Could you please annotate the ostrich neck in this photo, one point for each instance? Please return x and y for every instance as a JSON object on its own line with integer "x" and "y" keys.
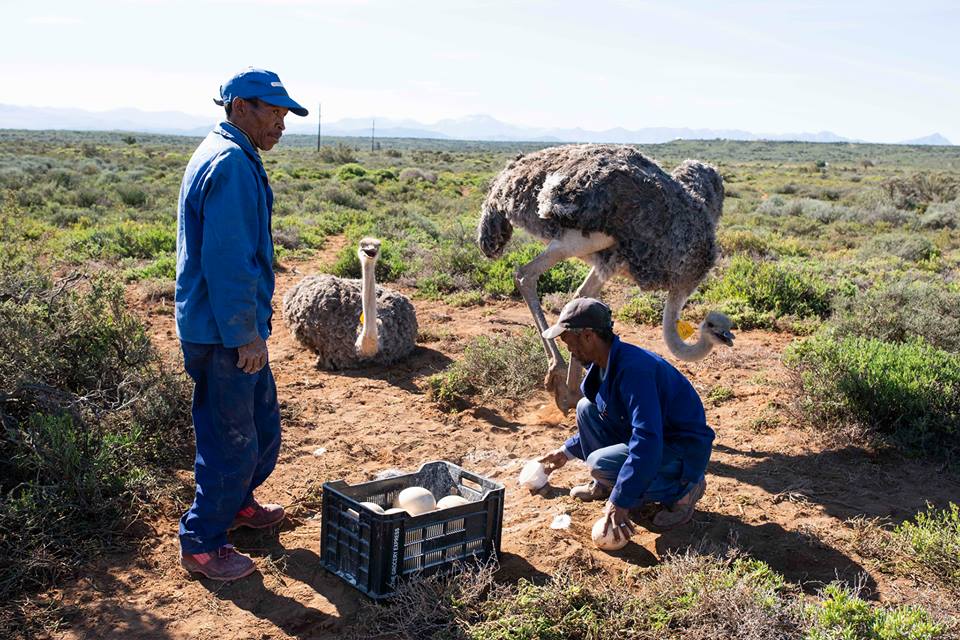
{"x": 368, "y": 294}
{"x": 676, "y": 344}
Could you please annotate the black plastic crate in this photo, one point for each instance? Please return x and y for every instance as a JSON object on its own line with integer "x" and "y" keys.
{"x": 373, "y": 551}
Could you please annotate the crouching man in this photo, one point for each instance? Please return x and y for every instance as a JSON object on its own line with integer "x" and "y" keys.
{"x": 641, "y": 426}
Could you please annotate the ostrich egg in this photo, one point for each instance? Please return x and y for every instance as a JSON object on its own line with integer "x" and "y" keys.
{"x": 416, "y": 500}
{"x": 373, "y": 506}
{"x": 451, "y": 501}
{"x": 394, "y": 510}
{"x": 607, "y": 542}
{"x": 533, "y": 476}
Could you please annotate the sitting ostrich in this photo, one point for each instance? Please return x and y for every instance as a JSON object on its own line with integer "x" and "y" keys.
{"x": 620, "y": 212}
{"x": 324, "y": 313}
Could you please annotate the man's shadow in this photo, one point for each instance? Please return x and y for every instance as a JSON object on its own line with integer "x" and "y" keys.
{"x": 801, "y": 559}
{"x": 291, "y": 616}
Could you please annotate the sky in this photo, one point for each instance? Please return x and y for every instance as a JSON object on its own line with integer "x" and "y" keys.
{"x": 872, "y": 70}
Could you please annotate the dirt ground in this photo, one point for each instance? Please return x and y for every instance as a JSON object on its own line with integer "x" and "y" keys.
{"x": 772, "y": 489}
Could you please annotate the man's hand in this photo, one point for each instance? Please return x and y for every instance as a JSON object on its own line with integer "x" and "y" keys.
{"x": 253, "y": 355}
{"x": 619, "y": 519}
{"x": 553, "y": 460}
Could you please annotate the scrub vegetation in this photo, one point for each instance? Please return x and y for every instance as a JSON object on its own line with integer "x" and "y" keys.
{"x": 852, "y": 250}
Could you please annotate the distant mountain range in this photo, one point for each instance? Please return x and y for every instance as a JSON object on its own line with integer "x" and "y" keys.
{"x": 474, "y": 127}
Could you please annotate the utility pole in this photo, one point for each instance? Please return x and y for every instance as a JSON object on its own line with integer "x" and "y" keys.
{"x": 373, "y": 133}
{"x": 319, "y": 129}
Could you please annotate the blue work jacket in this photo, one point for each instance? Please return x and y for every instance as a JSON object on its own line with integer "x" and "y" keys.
{"x": 224, "y": 243}
{"x": 650, "y": 406}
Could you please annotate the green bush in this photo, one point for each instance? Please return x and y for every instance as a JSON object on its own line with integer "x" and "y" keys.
{"x": 350, "y": 170}
{"x": 642, "y": 307}
{"x": 492, "y": 367}
{"x": 125, "y": 239}
{"x": 920, "y": 189}
{"x": 906, "y": 246}
{"x": 841, "y": 614}
{"x": 757, "y": 292}
{"x": 89, "y": 412}
{"x": 905, "y": 394}
{"x": 933, "y": 541}
{"x": 900, "y": 311}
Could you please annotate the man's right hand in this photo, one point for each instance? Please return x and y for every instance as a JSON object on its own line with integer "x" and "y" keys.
{"x": 553, "y": 460}
{"x": 253, "y": 355}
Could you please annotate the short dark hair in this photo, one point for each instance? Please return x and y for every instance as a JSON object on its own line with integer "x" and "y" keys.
{"x": 228, "y": 106}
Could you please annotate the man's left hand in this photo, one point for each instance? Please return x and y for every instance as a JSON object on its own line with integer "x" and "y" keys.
{"x": 619, "y": 519}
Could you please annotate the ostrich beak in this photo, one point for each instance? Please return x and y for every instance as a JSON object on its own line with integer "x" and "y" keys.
{"x": 371, "y": 252}
{"x": 726, "y": 337}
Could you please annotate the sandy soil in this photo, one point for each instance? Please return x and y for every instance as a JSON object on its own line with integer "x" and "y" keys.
{"x": 771, "y": 487}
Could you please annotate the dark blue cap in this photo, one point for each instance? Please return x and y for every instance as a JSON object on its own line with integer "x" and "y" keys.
{"x": 261, "y": 84}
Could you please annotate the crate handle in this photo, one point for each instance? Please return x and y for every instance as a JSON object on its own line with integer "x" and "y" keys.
{"x": 471, "y": 483}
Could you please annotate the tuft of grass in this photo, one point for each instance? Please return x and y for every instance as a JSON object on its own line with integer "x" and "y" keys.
{"x": 719, "y": 394}
{"x": 642, "y": 307}
{"x": 907, "y": 395}
{"x": 492, "y": 367}
{"x": 688, "y": 595}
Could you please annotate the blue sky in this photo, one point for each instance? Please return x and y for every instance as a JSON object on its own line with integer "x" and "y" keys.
{"x": 882, "y": 71}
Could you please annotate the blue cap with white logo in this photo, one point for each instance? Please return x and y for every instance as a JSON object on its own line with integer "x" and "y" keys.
{"x": 261, "y": 84}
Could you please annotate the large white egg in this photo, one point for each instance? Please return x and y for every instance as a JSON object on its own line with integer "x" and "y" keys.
{"x": 451, "y": 501}
{"x": 607, "y": 542}
{"x": 416, "y": 500}
{"x": 394, "y": 510}
{"x": 533, "y": 476}
{"x": 373, "y": 506}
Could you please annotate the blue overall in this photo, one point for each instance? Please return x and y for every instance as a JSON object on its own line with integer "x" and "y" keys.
{"x": 641, "y": 429}
{"x": 223, "y": 301}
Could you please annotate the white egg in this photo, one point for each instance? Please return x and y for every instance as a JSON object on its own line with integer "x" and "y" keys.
{"x": 373, "y": 506}
{"x": 607, "y": 542}
{"x": 451, "y": 501}
{"x": 394, "y": 510}
{"x": 533, "y": 476}
{"x": 415, "y": 500}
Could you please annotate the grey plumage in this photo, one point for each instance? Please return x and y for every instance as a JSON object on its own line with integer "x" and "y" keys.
{"x": 323, "y": 312}
{"x": 664, "y": 224}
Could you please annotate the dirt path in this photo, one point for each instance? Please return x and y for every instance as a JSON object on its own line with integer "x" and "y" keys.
{"x": 771, "y": 488}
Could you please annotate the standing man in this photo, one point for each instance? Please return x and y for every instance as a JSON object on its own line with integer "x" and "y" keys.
{"x": 641, "y": 425}
{"x": 224, "y": 287}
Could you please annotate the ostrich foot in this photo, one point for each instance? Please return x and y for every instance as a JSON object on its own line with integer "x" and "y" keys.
{"x": 556, "y": 383}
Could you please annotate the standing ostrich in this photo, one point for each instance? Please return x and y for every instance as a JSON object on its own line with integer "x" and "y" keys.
{"x": 618, "y": 211}
{"x": 324, "y": 313}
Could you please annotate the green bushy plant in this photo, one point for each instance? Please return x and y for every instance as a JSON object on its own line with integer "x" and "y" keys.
{"x": 505, "y": 367}
{"x": 906, "y": 246}
{"x": 901, "y": 310}
{"x": 89, "y": 410}
{"x": 125, "y": 239}
{"x": 932, "y": 539}
{"x": 841, "y": 614}
{"x": 642, "y": 307}
{"x": 755, "y": 293}
{"x": 905, "y": 394}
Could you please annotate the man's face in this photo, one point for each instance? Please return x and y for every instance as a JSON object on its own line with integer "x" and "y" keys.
{"x": 580, "y": 344}
{"x": 261, "y": 121}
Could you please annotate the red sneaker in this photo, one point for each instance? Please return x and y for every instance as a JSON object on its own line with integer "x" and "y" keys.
{"x": 226, "y": 563}
{"x": 258, "y": 516}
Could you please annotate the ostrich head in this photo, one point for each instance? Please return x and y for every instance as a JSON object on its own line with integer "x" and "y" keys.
{"x": 704, "y": 182}
{"x": 716, "y": 328}
{"x": 369, "y": 250}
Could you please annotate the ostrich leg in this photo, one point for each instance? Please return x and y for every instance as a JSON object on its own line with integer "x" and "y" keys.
{"x": 569, "y": 245}
{"x": 588, "y": 289}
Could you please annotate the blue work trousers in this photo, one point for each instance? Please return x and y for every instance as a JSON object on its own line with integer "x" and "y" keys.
{"x": 236, "y": 419}
{"x": 605, "y": 455}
